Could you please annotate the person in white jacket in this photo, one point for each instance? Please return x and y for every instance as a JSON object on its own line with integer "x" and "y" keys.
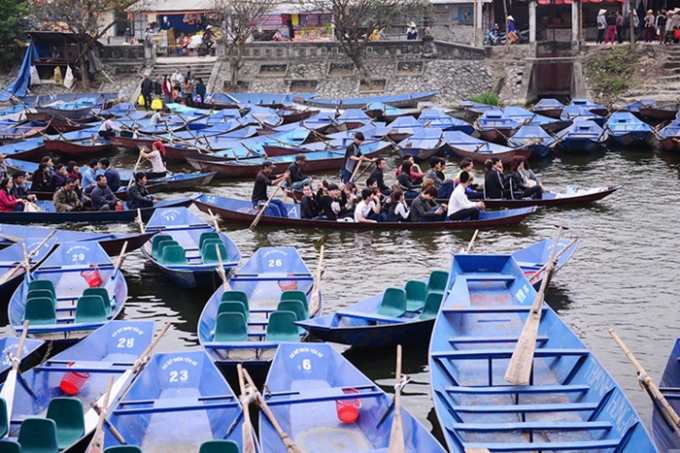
{"x": 459, "y": 206}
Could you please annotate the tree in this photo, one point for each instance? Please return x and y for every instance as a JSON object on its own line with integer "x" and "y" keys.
{"x": 88, "y": 20}
{"x": 12, "y": 28}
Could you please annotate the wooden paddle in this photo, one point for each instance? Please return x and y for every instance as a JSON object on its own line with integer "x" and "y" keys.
{"x": 97, "y": 443}
{"x": 139, "y": 159}
{"x": 264, "y": 208}
{"x": 247, "y": 427}
{"x": 285, "y": 438}
{"x": 557, "y": 257}
{"x": 11, "y": 238}
{"x": 214, "y": 219}
{"x": 356, "y": 169}
{"x": 139, "y": 220}
{"x": 27, "y": 258}
{"x": 121, "y": 257}
{"x": 396, "y": 444}
{"x": 220, "y": 269}
{"x": 10, "y": 383}
{"x": 364, "y": 170}
{"x": 472, "y": 241}
{"x": 521, "y": 362}
{"x": 315, "y": 299}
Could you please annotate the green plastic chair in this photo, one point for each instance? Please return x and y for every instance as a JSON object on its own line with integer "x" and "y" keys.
{"x": 156, "y": 244}
{"x": 296, "y": 307}
{"x": 7, "y": 446}
{"x": 437, "y": 282}
{"x": 162, "y": 246}
{"x": 393, "y": 303}
{"x": 240, "y": 296}
{"x": 207, "y": 236}
{"x": 416, "y": 295}
{"x": 219, "y": 446}
{"x": 173, "y": 255}
{"x": 40, "y": 311}
{"x": 37, "y": 293}
{"x": 209, "y": 253}
{"x": 281, "y": 327}
{"x": 38, "y": 435}
{"x": 42, "y": 284}
{"x": 4, "y": 423}
{"x": 123, "y": 449}
{"x": 90, "y": 309}
{"x": 296, "y": 295}
{"x": 431, "y": 308}
{"x": 68, "y": 414}
{"x": 234, "y": 306}
{"x": 109, "y": 305}
{"x": 231, "y": 326}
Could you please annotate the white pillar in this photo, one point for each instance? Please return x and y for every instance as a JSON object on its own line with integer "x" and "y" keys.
{"x": 575, "y": 20}
{"x": 480, "y": 31}
{"x": 532, "y": 21}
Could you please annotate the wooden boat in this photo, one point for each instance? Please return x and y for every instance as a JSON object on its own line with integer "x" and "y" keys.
{"x": 11, "y": 258}
{"x": 599, "y": 110}
{"x": 25, "y": 149}
{"x": 397, "y": 100}
{"x": 179, "y": 401}
{"x": 625, "y": 129}
{"x": 531, "y": 259}
{"x": 172, "y": 183}
{"x": 72, "y": 110}
{"x": 479, "y": 151}
{"x": 634, "y": 107}
{"x": 81, "y": 147}
{"x": 422, "y": 145}
{"x": 26, "y": 130}
{"x": 313, "y": 386}
{"x": 533, "y": 138}
{"x": 495, "y": 126}
{"x": 584, "y": 136}
{"x": 576, "y": 112}
{"x": 570, "y": 196}
{"x": 270, "y": 276}
{"x": 61, "y": 309}
{"x": 110, "y": 351}
{"x": 660, "y": 113}
{"x": 351, "y": 119}
{"x": 8, "y": 349}
{"x": 474, "y": 109}
{"x": 669, "y": 136}
{"x": 549, "y": 107}
{"x": 663, "y": 432}
{"x": 403, "y": 127}
{"x": 437, "y": 118}
{"x": 49, "y": 214}
{"x": 191, "y": 259}
{"x": 571, "y": 402}
{"x": 526, "y": 118}
{"x": 241, "y": 211}
{"x": 290, "y": 115}
{"x": 387, "y": 113}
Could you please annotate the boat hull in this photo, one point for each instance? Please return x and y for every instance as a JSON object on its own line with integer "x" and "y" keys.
{"x": 481, "y": 157}
{"x": 71, "y": 149}
{"x": 664, "y": 436}
{"x": 581, "y": 145}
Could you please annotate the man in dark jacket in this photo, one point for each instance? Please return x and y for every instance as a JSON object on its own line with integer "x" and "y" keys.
{"x": 494, "y": 186}
{"x": 334, "y": 205}
{"x": 297, "y": 178}
{"x": 137, "y": 195}
{"x": 353, "y": 157}
{"x": 102, "y": 197}
{"x": 147, "y": 89}
{"x": 259, "y": 197}
{"x": 112, "y": 175}
{"x": 20, "y": 191}
{"x": 378, "y": 174}
{"x": 425, "y": 209}
{"x": 309, "y": 208}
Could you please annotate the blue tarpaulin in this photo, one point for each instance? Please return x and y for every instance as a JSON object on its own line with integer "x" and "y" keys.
{"x": 20, "y": 84}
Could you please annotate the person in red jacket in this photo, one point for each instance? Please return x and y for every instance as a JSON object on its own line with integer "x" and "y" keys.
{"x": 9, "y": 202}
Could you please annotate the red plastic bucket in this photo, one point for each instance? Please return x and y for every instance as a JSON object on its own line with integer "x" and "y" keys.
{"x": 288, "y": 285}
{"x": 92, "y": 277}
{"x": 73, "y": 381}
{"x": 348, "y": 410}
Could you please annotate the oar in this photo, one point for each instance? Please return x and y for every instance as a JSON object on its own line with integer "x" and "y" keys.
{"x": 121, "y": 257}
{"x": 396, "y": 444}
{"x": 354, "y": 173}
{"x": 139, "y": 221}
{"x": 264, "y": 208}
{"x": 472, "y": 241}
{"x": 10, "y": 383}
{"x": 139, "y": 159}
{"x": 405, "y": 379}
{"x": 285, "y": 438}
{"x": 649, "y": 384}
{"x": 97, "y": 443}
{"x": 214, "y": 219}
{"x": 112, "y": 429}
{"x": 27, "y": 259}
{"x": 220, "y": 269}
{"x": 247, "y": 427}
{"x": 11, "y": 238}
{"x": 364, "y": 170}
{"x": 557, "y": 257}
{"x": 521, "y": 362}
{"x": 315, "y": 299}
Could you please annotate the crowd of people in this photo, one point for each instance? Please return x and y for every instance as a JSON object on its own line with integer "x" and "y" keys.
{"x": 378, "y": 202}
{"x": 170, "y": 87}
{"x": 663, "y": 26}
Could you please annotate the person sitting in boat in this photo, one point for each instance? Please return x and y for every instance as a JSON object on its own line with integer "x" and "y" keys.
{"x": 297, "y": 178}
{"x": 353, "y": 157}
{"x": 47, "y": 160}
{"x": 112, "y": 175}
{"x": 73, "y": 171}
{"x": 524, "y": 180}
{"x": 309, "y": 208}
{"x": 157, "y": 118}
{"x": 155, "y": 156}
{"x": 399, "y": 210}
{"x": 351, "y": 193}
{"x": 425, "y": 209}
{"x": 373, "y": 185}
{"x": 66, "y": 198}
{"x": 138, "y": 195}
{"x": 321, "y": 189}
{"x": 108, "y": 128}
{"x": 378, "y": 174}
{"x": 58, "y": 179}
{"x": 19, "y": 189}
{"x": 9, "y": 202}
{"x": 406, "y": 182}
{"x": 103, "y": 199}
{"x": 90, "y": 174}
{"x": 494, "y": 184}
{"x": 474, "y": 191}
{"x": 368, "y": 210}
{"x": 460, "y": 207}
{"x": 416, "y": 172}
{"x": 333, "y": 204}
{"x": 40, "y": 181}
{"x": 443, "y": 184}
{"x": 259, "y": 197}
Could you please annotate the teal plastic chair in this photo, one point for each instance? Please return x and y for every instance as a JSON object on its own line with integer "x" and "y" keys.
{"x": 437, "y": 282}
{"x": 38, "y": 435}
{"x": 231, "y": 326}
{"x": 123, "y": 449}
{"x": 4, "y": 422}
{"x": 219, "y": 446}
{"x": 296, "y": 295}
{"x": 393, "y": 303}
{"x": 416, "y": 295}
{"x": 109, "y": 305}
{"x": 90, "y": 309}
{"x": 207, "y": 235}
{"x": 431, "y": 308}
{"x": 296, "y": 307}
{"x": 235, "y": 306}
{"x": 240, "y": 296}
{"x": 37, "y": 293}
{"x": 281, "y": 327}
{"x": 42, "y": 284}
{"x": 68, "y": 414}
{"x": 209, "y": 252}
{"x": 7, "y": 446}
{"x": 173, "y": 255}
{"x": 40, "y": 311}
{"x": 157, "y": 241}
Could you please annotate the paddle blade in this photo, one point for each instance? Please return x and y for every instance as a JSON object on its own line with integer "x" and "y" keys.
{"x": 397, "y": 444}
{"x": 247, "y": 427}
{"x": 519, "y": 370}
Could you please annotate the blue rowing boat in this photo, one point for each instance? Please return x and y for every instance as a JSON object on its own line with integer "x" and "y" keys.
{"x": 437, "y": 118}
{"x": 534, "y": 138}
{"x": 76, "y": 290}
{"x": 635, "y": 106}
{"x": 177, "y": 403}
{"x": 549, "y": 107}
{"x": 63, "y": 387}
{"x": 496, "y": 126}
{"x": 590, "y": 106}
{"x": 527, "y": 118}
{"x": 584, "y": 136}
{"x": 8, "y": 350}
{"x": 627, "y": 130}
{"x": 669, "y": 136}
{"x": 664, "y": 432}
{"x": 571, "y": 403}
{"x": 312, "y": 386}
{"x": 11, "y": 257}
{"x": 422, "y": 145}
{"x": 396, "y": 100}
{"x": 463, "y": 145}
{"x": 577, "y": 112}
{"x": 244, "y": 323}
{"x": 185, "y": 248}
{"x": 531, "y": 259}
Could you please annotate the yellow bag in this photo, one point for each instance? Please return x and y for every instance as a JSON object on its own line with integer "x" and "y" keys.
{"x": 140, "y": 99}
{"x": 157, "y": 104}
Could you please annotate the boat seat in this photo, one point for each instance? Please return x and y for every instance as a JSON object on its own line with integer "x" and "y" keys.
{"x": 219, "y": 446}
{"x": 416, "y": 295}
{"x": 281, "y": 327}
{"x": 516, "y": 389}
{"x": 157, "y": 241}
{"x": 240, "y": 296}
{"x": 431, "y": 308}
{"x": 37, "y": 293}
{"x": 162, "y": 246}
{"x": 173, "y": 255}
{"x": 8, "y": 446}
{"x": 505, "y": 353}
{"x": 592, "y": 445}
{"x": 4, "y": 423}
{"x": 123, "y": 449}
{"x": 40, "y": 311}
{"x": 109, "y": 304}
{"x": 295, "y": 294}
{"x": 69, "y": 417}
{"x": 393, "y": 303}
{"x": 209, "y": 252}
{"x": 42, "y": 284}
{"x": 207, "y": 235}
{"x": 231, "y": 327}
{"x": 296, "y": 307}
{"x": 235, "y": 306}
{"x": 90, "y": 309}
{"x": 437, "y": 282}
{"x": 38, "y": 435}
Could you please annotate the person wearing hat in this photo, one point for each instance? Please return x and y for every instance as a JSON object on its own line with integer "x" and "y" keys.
{"x": 333, "y": 205}
{"x": 108, "y": 128}
{"x": 511, "y": 24}
{"x": 208, "y": 37}
{"x": 138, "y": 195}
{"x": 297, "y": 178}
{"x": 264, "y": 179}
{"x": 353, "y": 156}
{"x": 601, "y": 25}
{"x": 412, "y": 32}
{"x": 155, "y": 156}
{"x": 650, "y": 27}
